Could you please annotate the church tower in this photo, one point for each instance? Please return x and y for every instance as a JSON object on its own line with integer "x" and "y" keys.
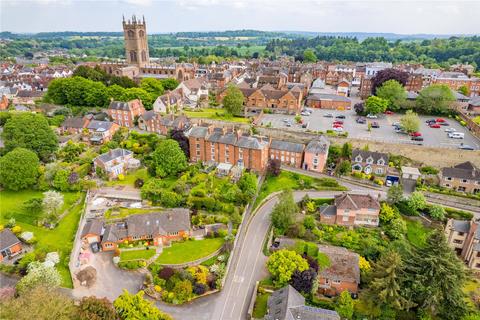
{"x": 136, "y": 44}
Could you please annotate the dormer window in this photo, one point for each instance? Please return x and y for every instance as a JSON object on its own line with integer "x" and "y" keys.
{"x": 358, "y": 159}
{"x": 369, "y": 160}
{"x": 381, "y": 162}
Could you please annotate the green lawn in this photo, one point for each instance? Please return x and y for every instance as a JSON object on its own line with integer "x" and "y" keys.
{"x": 260, "y": 306}
{"x": 416, "y": 233}
{"x": 137, "y": 254}
{"x": 12, "y": 205}
{"x": 59, "y": 239}
{"x": 215, "y": 114}
{"x": 181, "y": 252}
{"x": 294, "y": 181}
{"x": 130, "y": 178}
{"x": 125, "y": 212}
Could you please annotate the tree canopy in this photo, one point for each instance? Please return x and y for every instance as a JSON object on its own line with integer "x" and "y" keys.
{"x": 283, "y": 263}
{"x": 19, "y": 169}
{"x": 435, "y": 99}
{"x": 30, "y": 131}
{"x": 309, "y": 56}
{"x": 168, "y": 158}
{"x": 394, "y": 92}
{"x": 233, "y": 101}
{"x": 375, "y": 105}
{"x": 283, "y": 214}
{"x": 410, "y": 122}
{"x": 134, "y": 306}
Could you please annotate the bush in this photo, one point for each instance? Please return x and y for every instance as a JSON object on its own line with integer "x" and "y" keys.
{"x": 166, "y": 273}
{"x": 139, "y": 183}
{"x": 428, "y": 170}
{"x": 17, "y": 230}
{"x": 132, "y": 264}
{"x": 199, "y": 288}
{"x": 121, "y": 177}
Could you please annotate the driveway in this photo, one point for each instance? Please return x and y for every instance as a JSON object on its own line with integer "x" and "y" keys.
{"x": 110, "y": 280}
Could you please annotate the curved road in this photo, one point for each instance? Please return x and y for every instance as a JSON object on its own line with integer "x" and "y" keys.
{"x": 247, "y": 267}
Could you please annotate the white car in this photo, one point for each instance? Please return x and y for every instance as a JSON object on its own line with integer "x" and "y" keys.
{"x": 285, "y": 120}
{"x": 338, "y": 129}
{"x": 450, "y": 130}
{"x": 372, "y": 116}
{"x": 396, "y": 124}
{"x": 305, "y": 113}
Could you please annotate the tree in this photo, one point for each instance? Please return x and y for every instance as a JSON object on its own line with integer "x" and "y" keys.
{"x": 347, "y": 150}
{"x": 283, "y": 214}
{"x": 359, "y": 108}
{"x": 345, "y": 305}
{"x": 52, "y": 202}
{"x": 395, "y": 194}
{"x": 437, "y": 212}
{"x": 179, "y": 136}
{"x": 396, "y": 228}
{"x": 134, "y": 306}
{"x": 384, "y": 75}
{"x": 417, "y": 201}
{"x": 375, "y": 105}
{"x": 39, "y": 303}
{"x": 435, "y": 99}
{"x": 19, "y": 169}
{"x": 303, "y": 281}
{"x": 93, "y": 308}
{"x": 169, "y": 83}
{"x": 274, "y": 167}
{"x": 283, "y": 263}
{"x": 248, "y": 184}
{"x": 344, "y": 168}
{"x": 394, "y": 92}
{"x": 30, "y": 131}
{"x": 309, "y": 56}
{"x": 233, "y": 101}
{"x": 139, "y": 93}
{"x": 388, "y": 213}
{"x": 464, "y": 90}
{"x": 152, "y": 86}
{"x": 385, "y": 289}
{"x": 434, "y": 279}
{"x": 410, "y": 122}
{"x": 38, "y": 274}
{"x": 168, "y": 158}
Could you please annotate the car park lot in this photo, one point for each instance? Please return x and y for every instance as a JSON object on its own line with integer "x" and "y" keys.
{"x": 433, "y": 137}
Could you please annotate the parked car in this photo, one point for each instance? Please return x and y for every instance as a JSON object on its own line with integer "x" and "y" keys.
{"x": 361, "y": 120}
{"x": 388, "y": 183}
{"x": 439, "y": 120}
{"x": 466, "y": 147}
{"x": 417, "y": 138}
{"x": 338, "y": 122}
{"x": 435, "y": 125}
{"x": 305, "y": 113}
{"x": 289, "y": 124}
{"x": 372, "y": 116}
{"x": 285, "y": 120}
{"x": 456, "y": 135}
{"x": 328, "y": 115}
{"x": 450, "y": 130}
{"x": 375, "y": 124}
{"x": 338, "y": 129}
{"x": 337, "y": 126}
{"x": 389, "y": 112}
{"x": 444, "y": 123}
{"x": 305, "y": 125}
{"x": 415, "y": 134}
{"x": 396, "y": 124}
{"x": 340, "y": 116}
{"x": 429, "y": 121}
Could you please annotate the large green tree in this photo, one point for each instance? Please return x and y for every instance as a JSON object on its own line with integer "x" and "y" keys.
{"x": 152, "y": 86}
{"x": 436, "y": 98}
{"x": 345, "y": 305}
{"x": 375, "y": 105}
{"x": 168, "y": 158}
{"x": 394, "y": 92}
{"x": 19, "y": 169}
{"x": 139, "y": 93}
{"x": 283, "y": 214}
{"x": 410, "y": 122}
{"x": 134, "y": 306}
{"x": 283, "y": 263}
{"x": 39, "y": 274}
{"x": 434, "y": 279}
{"x": 233, "y": 100}
{"x": 309, "y": 56}
{"x": 30, "y": 131}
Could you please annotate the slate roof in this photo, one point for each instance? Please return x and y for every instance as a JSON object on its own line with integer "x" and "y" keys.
{"x": 148, "y": 115}
{"x": 7, "y": 239}
{"x": 287, "y": 146}
{"x": 114, "y": 232}
{"x": 98, "y": 125}
{"x": 356, "y": 201}
{"x": 465, "y": 170}
{"x": 160, "y": 223}
{"x": 198, "y": 132}
{"x": 75, "y": 122}
{"x": 327, "y": 96}
{"x": 119, "y": 105}
{"x": 365, "y": 154}
{"x": 319, "y": 145}
{"x": 461, "y": 226}
{"x": 93, "y": 226}
{"x": 475, "y": 101}
{"x": 328, "y": 210}
{"x": 288, "y": 304}
{"x": 113, "y": 154}
{"x": 343, "y": 264}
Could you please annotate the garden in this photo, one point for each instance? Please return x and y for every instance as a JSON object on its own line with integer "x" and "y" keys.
{"x": 189, "y": 250}
{"x": 214, "y": 114}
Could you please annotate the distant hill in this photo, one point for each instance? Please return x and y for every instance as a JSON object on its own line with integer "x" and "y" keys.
{"x": 363, "y": 35}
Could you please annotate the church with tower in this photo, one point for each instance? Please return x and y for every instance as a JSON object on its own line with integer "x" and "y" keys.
{"x": 137, "y": 64}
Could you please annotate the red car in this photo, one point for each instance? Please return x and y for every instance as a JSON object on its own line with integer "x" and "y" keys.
{"x": 415, "y": 134}
{"x": 338, "y": 122}
{"x": 389, "y": 112}
{"x": 337, "y": 126}
{"x": 434, "y": 125}
{"x": 440, "y": 120}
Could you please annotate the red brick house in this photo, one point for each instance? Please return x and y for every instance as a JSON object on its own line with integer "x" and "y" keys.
{"x": 75, "y": 125}
{"x": 10, "y": 245}
{"x": 328, "y": 101}
{"x": 289, "y": 153}
{"x": 99, "y": 132}
{"x": 154, "y": 122}
{"x": 342, "y": 274}
{"x": 160, "y": 228}
{"x": 125, "y": 113}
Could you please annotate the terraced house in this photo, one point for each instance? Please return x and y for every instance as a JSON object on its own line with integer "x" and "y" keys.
{"x": 369, "y": 162}
{"x": 289, "y": 153}
{"x": 125, "y": 113}
{"x": 464, "y": 177}
{"x": 464, "y": 238}
{"x": 222, "y": 145}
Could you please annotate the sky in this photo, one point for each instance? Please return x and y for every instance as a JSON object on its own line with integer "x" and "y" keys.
{"x": 163, "y": 16}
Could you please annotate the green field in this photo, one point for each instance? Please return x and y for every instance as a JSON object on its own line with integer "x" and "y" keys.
{"x": 130, "y": 178}
{"x": 260, "y": 306}
{"x": 137, "y": 254}
{"x": 125, "y": 212}
{"x": 215, "y": 114}
{"x": 59, "y": 239}
{"x": 416, "y": 233}
{"x": 181, "y": 252}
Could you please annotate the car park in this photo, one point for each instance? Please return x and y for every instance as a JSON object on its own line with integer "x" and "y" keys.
{"x": 450, "y": 130}
{"x": 361, "y": 120}
{"x": 340, "y": 116}
{"x": 372, "y": 116}
{"x": 328, "y": 115}
{"x": 415, "y": 134}
{"x": 435, "y": 126}
{"x": 375, "y": 124}
{"x": 456, "y": 135}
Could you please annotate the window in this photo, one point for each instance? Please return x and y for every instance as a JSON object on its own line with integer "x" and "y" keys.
{"x": 198, "y": 145}
{"x": 315, "y": 166}
{"x": 336, "y": 281}
{"x": 461, "y": 233}
{"x": 448, "y": 178}
{"x": 464, "y": 180}
{"x": 344, "y": 218}
{"x": 370, "y": 160}
{"x": 458, "y": 241}
{"x": 379, "y": 171}
{"x": 315, "y": 161}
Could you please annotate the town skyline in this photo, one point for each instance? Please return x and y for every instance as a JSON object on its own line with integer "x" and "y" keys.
{"x": 424, "y": 17}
